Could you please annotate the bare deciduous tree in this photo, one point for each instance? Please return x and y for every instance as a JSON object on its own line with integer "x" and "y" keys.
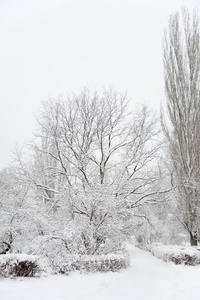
{"x": 93, "y": 165}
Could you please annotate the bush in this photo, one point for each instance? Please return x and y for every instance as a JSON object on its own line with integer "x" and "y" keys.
{"x": 90, "y": 263}
{"x": 18, "y": 265}
{"x": 177, "y": 254}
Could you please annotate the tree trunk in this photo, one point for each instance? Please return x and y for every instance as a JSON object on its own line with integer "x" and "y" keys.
{"x": 193, "y": 239}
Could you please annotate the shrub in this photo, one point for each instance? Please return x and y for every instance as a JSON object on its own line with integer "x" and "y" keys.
{"x": 90, "y": 263}
{"x": 177, "y": 254}
{"x": 18, "y": 265}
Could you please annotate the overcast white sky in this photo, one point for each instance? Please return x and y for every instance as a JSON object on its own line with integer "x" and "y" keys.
{"x": 48, "y": 47}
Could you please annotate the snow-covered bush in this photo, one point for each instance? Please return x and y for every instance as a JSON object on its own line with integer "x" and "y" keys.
{"x": 18, "y": 212}
{"x": 90, "y": 263}
{"x": 177, "y": 254}
{"x": 19, "y": 265}
{"x": 59, "y": 258}
{"x": 95, "y": 227}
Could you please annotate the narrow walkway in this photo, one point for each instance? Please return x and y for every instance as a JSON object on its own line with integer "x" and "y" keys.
{"x": 148, "y": 278}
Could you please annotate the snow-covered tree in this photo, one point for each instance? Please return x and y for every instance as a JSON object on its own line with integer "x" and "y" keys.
{"x": 182, "y": 78}
{"x": 93, "y": 168}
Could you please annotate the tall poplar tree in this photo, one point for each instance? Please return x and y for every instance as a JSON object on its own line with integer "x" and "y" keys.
{"x": 182, "y": 85}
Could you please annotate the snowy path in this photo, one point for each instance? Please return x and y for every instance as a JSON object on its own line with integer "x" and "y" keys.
{"x": 147, "y": 279}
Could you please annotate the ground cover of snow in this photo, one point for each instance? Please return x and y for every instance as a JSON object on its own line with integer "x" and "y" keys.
{"x": 148, "y": 278}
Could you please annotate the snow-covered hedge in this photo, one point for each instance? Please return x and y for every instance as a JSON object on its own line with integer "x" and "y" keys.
{"x": 185, "y": 255}
{"x": 90, "y": 263}
{"x": 177, "y": 254}
{"x": 16, "y": 265}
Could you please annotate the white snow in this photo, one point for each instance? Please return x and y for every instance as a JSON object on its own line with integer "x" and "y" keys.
{"x": 18, "y": 256}
{"x": 148, "y": 278}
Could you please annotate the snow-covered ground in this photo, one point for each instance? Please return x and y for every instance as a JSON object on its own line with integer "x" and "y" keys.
{"x": 148, "y": 278}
